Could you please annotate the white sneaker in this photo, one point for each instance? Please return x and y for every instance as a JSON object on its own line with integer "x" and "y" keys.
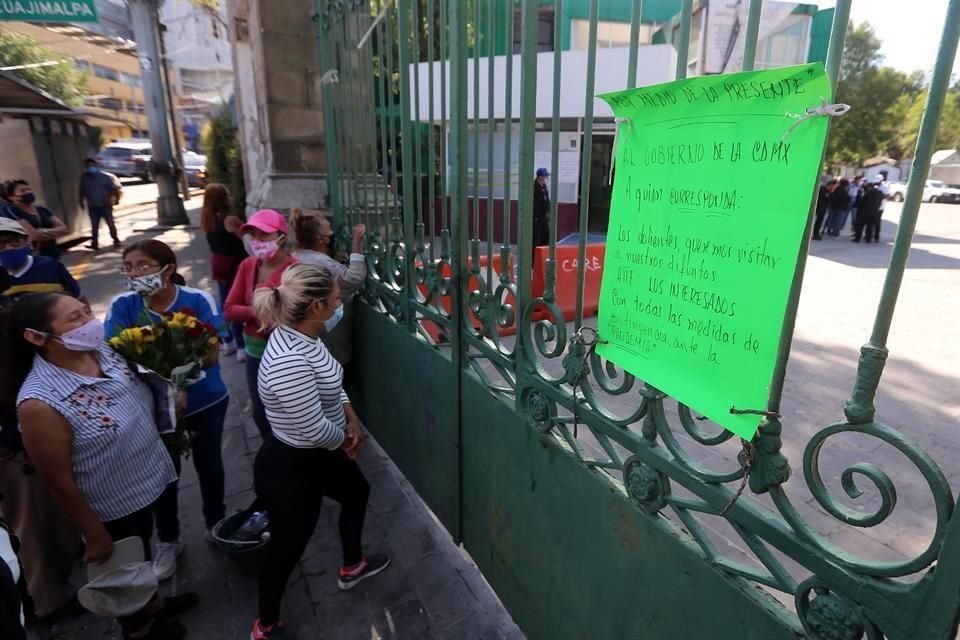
{"x": 241, "y": 356}
{"x": 165, "y": 559}
{"x": 228, "y": 349}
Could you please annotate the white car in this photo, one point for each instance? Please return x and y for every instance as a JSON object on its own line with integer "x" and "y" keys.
{"x": 934, "y": 191}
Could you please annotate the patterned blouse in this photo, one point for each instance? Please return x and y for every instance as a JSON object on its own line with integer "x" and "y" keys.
{"x": 119, "y": 462}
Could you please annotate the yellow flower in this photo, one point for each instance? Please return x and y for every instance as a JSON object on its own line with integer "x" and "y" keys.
{"x": 214, "y": 341}
{"x": 116, "y": 342}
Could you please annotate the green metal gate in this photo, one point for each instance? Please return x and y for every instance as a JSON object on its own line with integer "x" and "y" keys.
{"x": 581, "y": 492}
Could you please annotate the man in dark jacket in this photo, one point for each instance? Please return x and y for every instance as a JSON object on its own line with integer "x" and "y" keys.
{"x": 541, "y": 209}
{"x": 98, "y": 192}
{"x": 823, "y": 200}
{"x": 868, "y": 213}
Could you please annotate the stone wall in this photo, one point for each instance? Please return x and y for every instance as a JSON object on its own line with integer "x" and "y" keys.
{"x": 277, "y": 66}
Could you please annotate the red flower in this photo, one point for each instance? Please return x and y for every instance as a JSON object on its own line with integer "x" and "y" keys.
{"x": 194, "y": 332}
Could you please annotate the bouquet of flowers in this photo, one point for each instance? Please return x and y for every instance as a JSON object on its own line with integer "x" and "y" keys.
{"x": 174, "y": 347}
{"x": 168, "y": 356}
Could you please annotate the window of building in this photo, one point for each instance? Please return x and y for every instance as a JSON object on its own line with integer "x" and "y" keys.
{"x": 783, "y": 48}
{"x": 135, "y": 107}
{"x": 544, "y": 31}
{"x": 111, "y": 103}
{"x": 609, "y": 34}
{"x": 82, "y": 65}
{"x": 106, "y": 73}
{"x": 130, "y": 79}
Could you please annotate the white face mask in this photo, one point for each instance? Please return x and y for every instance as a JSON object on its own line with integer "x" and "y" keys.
{"x": 148, "y": 285}
{"x": 333, "y": 320}
{"x": 87, "y": 337}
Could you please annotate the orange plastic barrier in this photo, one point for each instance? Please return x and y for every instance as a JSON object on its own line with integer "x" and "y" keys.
{"x": 567, "y": 256}
{"x": 447, "y": 302}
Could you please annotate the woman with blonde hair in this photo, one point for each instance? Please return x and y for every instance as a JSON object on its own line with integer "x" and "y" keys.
{"x": 316, "y": 245}
{"x": 222, "y": 227}
{"x": 316, "y": 438}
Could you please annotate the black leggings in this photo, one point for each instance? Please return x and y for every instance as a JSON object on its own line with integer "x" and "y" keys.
{"x": 290, "y": 484}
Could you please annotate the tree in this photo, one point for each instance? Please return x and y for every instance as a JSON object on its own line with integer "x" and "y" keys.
{"x": 880, "y": 99}
{"x": 221, "y": 144}
{"x": 44, "y": 68}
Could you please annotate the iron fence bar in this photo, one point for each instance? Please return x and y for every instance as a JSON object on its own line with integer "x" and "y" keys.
{"x": 409, "y": 213}
{"x": 550, "y": 271}
{"x": 475, "y": 201}
{"x": 586, "y": 162}
{"x": 873, "y": 355}
{"x": 337, "y": 90}
{"x": 431, "y": 176}
{"x": 753, "y": 33}
{"x": 369, "y": 130}
{"x": 635, "y": 17}
{"x": 491, "y": 130}
{"x": 351, "y": 149}
{"x": 683, "y": 45}
{"x": 421, "y": 212}
{"x": 444, "y": 56}
{"x": 391, "y": 19}
{"x": 834, "y": 54}
{"x": 508, "y": 151}
{"x": 329, "y": 121}
{"x": 528, "y": 114}
{"x": 380, "y": 122}
{"x": 458, "y": 153}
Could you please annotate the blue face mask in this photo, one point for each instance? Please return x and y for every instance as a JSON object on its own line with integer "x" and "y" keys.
{"x": 15, "y": 258}
{"x": 333, "y": 320}
{"x": 92, "y": 169}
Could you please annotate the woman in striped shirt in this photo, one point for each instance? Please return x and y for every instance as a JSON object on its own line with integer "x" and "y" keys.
{"x": 316, "y": 438}
{"x": 88, "y": 427}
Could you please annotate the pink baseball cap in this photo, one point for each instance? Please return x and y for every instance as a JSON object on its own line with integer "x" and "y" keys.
{"x": 266, "y": 220}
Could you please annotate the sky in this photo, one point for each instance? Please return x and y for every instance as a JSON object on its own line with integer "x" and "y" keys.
{"x": 910, "y": 29}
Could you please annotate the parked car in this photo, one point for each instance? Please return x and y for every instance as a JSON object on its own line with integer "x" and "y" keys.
{"x": 195, "y": 166}
{"x": 934, "y": 191}
{"x": 128, "y": 159}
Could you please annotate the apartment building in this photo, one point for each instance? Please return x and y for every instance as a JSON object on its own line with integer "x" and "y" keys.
{"x": 114, "y": 100}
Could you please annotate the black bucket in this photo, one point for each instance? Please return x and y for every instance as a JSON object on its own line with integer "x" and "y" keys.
{"x": 246, "y": 555}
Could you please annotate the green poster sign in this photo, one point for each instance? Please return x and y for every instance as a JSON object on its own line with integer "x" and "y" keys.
{"x": 48, "y": 10}
{"x": 713, "y": 183}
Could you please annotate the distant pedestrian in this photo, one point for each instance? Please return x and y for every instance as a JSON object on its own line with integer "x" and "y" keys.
{"x": 317, "y": 438}
{"x": 156, "y": 288}
{"x": 43, "y": 227}
{"x": 823, "y": 202}
{"x": 837, "y": 207}
{"x": 266, "y": 234}
{"x": 99, "y": 192}
{"x": 541, "y": 209}
{"x": 88, "y": 426}
{"x": 854, "y": 190}
{"x": 315, "y": 245}
{"x": 222, "y": 228}
{"x": 27, "y": 273}
{"x": 868, "y": 213}
{"x": 881, "y": 183}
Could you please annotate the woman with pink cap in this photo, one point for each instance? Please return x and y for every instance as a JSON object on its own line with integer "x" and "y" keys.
{"x": 265, "y": 234}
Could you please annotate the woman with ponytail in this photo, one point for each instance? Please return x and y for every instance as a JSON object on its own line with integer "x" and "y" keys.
{"x": 315, "y": 245}
{"x": 316, "y": 438}
{"x": 150, "y": 269}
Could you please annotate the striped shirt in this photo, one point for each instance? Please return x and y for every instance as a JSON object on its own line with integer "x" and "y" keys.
{"x": 119, "y": 462}
{"x": 301, "y": 386}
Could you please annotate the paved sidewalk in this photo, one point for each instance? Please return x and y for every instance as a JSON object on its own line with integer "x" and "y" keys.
{"x": 432, "y": 590}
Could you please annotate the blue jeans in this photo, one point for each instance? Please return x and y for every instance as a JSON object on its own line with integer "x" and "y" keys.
{"x": 205, "y": 429}
{"x": 236, "y": 328}
{"x": 835, "y": 221}
{"x": 259, "y": 413}
{"x": 96, "y": 215}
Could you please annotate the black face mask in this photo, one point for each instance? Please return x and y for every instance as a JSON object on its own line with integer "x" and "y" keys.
{"x": 28, "y": 198}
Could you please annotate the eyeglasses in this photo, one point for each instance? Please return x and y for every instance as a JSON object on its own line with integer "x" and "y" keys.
{"x": 139, "y": 269}
{"x": 12, "y": 243}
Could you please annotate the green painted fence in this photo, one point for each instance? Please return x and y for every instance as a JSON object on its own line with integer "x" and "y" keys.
{"x": 582, "y": 492}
